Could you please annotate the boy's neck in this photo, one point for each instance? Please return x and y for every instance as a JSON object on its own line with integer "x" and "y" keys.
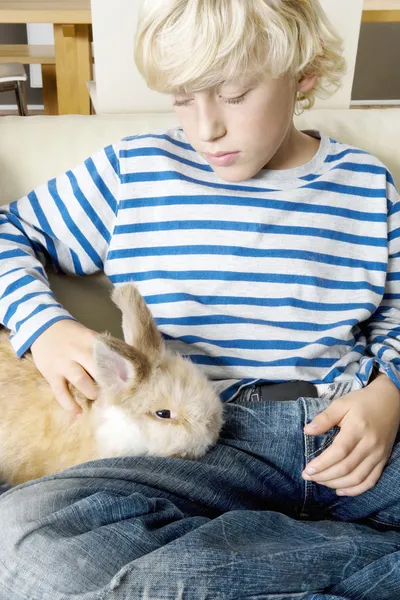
{"x": 296, "y": 150}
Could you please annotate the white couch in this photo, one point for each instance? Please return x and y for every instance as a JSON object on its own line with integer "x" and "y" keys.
{"x": 35, "y": 149}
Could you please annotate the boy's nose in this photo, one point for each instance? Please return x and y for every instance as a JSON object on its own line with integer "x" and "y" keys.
{"x": 210, "y": 126}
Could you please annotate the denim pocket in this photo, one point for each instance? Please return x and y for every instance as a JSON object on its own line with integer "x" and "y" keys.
{"x": 323, "y": 441}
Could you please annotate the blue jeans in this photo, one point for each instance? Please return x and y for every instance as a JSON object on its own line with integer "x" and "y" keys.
{"x": 239, "y": 523}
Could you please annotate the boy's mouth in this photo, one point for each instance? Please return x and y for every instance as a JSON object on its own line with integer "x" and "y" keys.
{"x": 222, "y": 159}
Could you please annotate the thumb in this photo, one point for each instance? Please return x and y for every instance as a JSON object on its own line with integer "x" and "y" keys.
{"x": 328, "y": 418}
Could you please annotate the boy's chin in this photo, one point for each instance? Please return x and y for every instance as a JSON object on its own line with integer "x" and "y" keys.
{"x": 236, "y": 173}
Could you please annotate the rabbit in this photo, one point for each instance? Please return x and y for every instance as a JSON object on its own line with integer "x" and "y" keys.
{"x": 150, "y": 402}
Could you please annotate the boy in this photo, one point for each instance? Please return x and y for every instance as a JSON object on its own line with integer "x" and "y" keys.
{"x": 268, "y": 255}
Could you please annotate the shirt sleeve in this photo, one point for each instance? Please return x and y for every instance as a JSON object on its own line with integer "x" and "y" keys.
{"x": 383, "y": 327}
{"x": 65, "y": 225}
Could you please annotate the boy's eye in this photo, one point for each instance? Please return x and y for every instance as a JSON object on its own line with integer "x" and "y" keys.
{"x": 182, "y": 102}
{"x": 237, "y": 100}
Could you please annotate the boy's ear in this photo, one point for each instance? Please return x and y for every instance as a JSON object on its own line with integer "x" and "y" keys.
{"x": 307, "y": 83}
{"x": 138, "y": 324}
{"x": 117, "y": 365}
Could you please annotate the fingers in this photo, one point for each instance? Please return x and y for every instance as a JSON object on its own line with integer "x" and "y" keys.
{"x": 64, "y": 398}
{"x": 63, "y": 354}
{"x": 321, "y": 423}
{"x": 355, "y": 460}
{"x": 85, "y": 355}
{"x": 342, "y": 468}
{"x": 347, "y": 466}
{"x": 82, "y": 381}
{"x": 365, "y": 485}
{"x": 354, "y": 477}
{"x": 328, "y": 418}
{"x": 341, "y": 448}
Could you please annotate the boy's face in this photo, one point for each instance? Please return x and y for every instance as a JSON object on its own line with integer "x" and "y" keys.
{"x": 247, "y": 124}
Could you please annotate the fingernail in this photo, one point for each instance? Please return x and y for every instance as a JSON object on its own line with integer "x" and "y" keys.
{"x": 311, "y": 426}
{"x": 311, "y": 471}
{"x": 340, "y": 493}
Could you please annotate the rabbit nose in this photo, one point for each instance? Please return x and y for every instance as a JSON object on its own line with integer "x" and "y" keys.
{"x": 164, "y": 414}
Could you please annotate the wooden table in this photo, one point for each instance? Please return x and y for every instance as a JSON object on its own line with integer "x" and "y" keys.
{"x": 381, "y": 11}
{"x": 72, "y": 34}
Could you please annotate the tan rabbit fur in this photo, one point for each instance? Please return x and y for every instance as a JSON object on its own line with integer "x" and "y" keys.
{"x": 136, "y": 379}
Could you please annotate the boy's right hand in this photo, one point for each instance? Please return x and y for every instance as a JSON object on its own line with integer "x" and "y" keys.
{"x": 64, "y": 353}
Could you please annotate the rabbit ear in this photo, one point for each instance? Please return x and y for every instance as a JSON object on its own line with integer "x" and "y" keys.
{"x": 118, "y": 365}
{"x": 138, "y": 324}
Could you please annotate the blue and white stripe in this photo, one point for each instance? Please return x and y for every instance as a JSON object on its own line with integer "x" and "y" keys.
{"x": 294, "y": 274}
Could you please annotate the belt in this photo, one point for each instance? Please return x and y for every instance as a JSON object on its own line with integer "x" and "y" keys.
{"x": 289, "y": 390}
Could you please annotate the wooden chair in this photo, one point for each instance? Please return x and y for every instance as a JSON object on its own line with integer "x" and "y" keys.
{"x": 13, "y": 77}
{"x": 34, "y": 54}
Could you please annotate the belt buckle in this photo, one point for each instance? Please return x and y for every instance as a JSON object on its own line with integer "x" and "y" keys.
{"x": 255, "y": 395}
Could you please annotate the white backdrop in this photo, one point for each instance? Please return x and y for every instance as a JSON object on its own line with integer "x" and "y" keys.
{"x": 38, "y": 33}
{"x": 120, "y": 88}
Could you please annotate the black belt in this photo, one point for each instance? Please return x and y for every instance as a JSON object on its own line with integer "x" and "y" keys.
{"x": 289, "y": 390}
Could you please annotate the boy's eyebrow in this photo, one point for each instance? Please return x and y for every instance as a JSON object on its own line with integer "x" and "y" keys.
{"x": 245, "y": 81}
{"x": 179, "y": 92}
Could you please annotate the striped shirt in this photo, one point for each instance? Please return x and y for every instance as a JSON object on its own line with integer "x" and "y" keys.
{"x": 293, "y": 274}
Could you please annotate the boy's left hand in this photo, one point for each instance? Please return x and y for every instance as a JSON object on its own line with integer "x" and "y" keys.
{"x": 369, "y": 420}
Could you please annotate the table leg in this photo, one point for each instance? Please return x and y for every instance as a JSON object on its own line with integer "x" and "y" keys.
{"x": 73, "y": 68}
{"x": 49, "y": 90}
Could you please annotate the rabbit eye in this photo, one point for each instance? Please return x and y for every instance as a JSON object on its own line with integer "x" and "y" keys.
{"x": 164, "y": 414}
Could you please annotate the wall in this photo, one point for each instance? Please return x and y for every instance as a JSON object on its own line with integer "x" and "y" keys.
{"x": 377, "y": 73}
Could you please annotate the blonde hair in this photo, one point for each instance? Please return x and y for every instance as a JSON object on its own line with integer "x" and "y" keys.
{"x": 190, "y": 45}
